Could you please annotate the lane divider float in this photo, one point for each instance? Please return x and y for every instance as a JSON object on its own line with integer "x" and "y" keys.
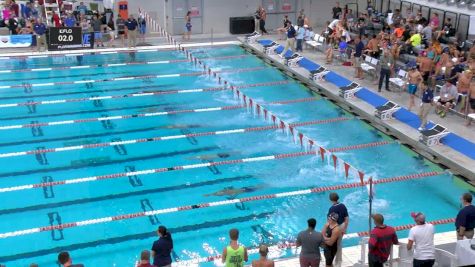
{"x": 141, "y": 115}
{"x": 174, "y": 137}
{"x": 140, "y": 94}
{"x": 128, "y": 78}
{"x": 201, "y": 205}
{"x": 135, "y": 63}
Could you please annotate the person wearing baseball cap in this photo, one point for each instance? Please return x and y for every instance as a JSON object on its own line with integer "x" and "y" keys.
{"x": 421, "y": 238}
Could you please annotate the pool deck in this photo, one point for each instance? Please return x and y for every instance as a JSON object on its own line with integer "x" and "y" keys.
{"x": 352, "y": 255}
{"x": 457, "y": 162}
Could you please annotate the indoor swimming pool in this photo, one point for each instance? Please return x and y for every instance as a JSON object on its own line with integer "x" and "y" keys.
{"x": 90, "y": 137}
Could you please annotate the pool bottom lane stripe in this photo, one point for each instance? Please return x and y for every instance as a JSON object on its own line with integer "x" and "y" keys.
{"x": 289, "y": 245}
{"x": 199, "y": 134}
{"x": 140, "y": 94}
{"x": 118, "y": 64}
{"x": 203, "y": 205}
{"x": 197, "y": 73}
{"x": 154, "y": 114}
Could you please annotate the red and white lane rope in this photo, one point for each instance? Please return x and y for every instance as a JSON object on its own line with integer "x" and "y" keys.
{"x": 118, "y": 64}
{"x": 129, "y": 78}
{"x": 142, "y": 115}
{"x": 256, "y": 108}
{"x": 182, "y": 136}
{"x": 167, "y": 92}
{"x": 289, "y": 245}
{"x": 201, "y": 205}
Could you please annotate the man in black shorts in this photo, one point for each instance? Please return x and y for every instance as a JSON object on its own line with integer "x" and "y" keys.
{"x": 121, "y": 29}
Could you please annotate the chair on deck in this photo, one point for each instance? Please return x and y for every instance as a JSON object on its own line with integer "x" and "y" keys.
{"x": 316, "y": 42}
{"x": 252, "y": 38}
{"x": 269, "y": 49}
{"x": 386, "y": 111}
{"x": 433, "y": 135}
{"x": 349, "y": 90}
{"x": 293, "y": 60}
{"x": 318, "y": 74}
{"x": 399, "y": 81}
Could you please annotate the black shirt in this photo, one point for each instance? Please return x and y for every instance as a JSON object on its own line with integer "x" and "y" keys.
{"x": 336, "y": 12}
{"x": 359, "y": 49}
{"x": 131, "y": 24}
{"x": 466, "y": 218}
{"x": 339, "y": 209}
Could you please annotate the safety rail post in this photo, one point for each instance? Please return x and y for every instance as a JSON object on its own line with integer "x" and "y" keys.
{"x": 363, "y": 242}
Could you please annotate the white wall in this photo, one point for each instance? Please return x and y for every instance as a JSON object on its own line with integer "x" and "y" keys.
{"x": 216, "y": 13}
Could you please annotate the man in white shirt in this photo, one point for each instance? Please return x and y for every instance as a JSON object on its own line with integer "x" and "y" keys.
{"x": 422, "y": 235}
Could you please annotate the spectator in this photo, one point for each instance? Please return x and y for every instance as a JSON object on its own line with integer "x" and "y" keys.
{"x": 234, "y": 255}
{"x": 427, "y": 34}
{"x": 448, "y": 94}
{"x": 422, "y": 235}
{"x": 373, "y": 47}
{"x": 96, "y": 27}
{"x": 311, "y": 241}
{"x": 357, "y": 56}
{"x": 299, "y": 37}
{"x": 414, "y": 82}
{"x": 332, "y": 233}
{"x": 343, "y": 219}
{"x": 65, "y": 260}
{"x": 465, "y": 221}
{"x": 382, "y": 237}
{"x": 13, "y": 24}
{"x": 291, "y": 33}
{"x": 262, "y": 21}
{"x": 386, "y": 62}
{"x": 132, "y": 25}
{"x": 188, "y": 26}
{"x": 426, "y": 105}
{"x": 26, "y": 11}
{"x": 55, "y": 20}
{"x": 121, "y": 29}
{"x": 15, "y": 8}
{"x": 40, "y": 31}
{"x": 434, "y": 21}
{"x": 463, "y": 88}
{"x": 145, "y": 259}
{"x": 336, "y": 11}
{"x": 300, "y": 21}
{"x": 414, "y": 41}
{"x": 162, "y": 248}
{"x": 263, "y": 261}
{"x": 283, "y": 30}
{"x": 70, "y": 21}
{"x": 471, "y": 100}
{"x": 425, "y": 65}
{"x": 142, "y": 27}
{"x": 82, "y": 9}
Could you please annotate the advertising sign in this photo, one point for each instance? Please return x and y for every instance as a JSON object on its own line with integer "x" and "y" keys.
{"x": 20, "y": 40}
{"x": 64, "y": 38}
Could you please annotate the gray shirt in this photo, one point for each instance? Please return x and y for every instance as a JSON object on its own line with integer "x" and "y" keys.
{"x": 427, "y": 32}
{"x": 386, "y": 60}
{"x": 311, "y": 242}
{"x": 448, "y": 91}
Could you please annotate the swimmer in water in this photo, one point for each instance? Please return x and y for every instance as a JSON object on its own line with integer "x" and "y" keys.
{"x": 209, "y": 157}
{"x": 232, "y": 192}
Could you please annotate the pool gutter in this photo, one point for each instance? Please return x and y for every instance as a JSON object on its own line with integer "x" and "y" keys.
{"x": 448, "y": 158}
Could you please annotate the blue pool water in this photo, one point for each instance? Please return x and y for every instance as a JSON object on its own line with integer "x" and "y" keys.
{"x": 199, "y": 232}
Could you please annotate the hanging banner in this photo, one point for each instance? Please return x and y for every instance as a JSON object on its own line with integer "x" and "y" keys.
{"x": 19, "y": 40}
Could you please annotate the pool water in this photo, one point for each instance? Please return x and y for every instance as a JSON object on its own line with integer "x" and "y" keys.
{"x": 198, "y": 232}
